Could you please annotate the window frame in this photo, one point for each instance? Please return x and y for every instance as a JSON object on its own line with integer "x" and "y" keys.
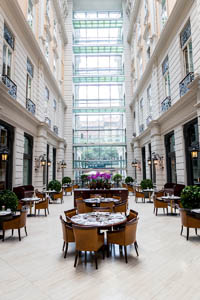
{"x": 8, "y": 48}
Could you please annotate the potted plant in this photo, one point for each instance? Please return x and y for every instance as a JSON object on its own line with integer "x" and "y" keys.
{"x": 117, "y": 178}
{"x": 9, "y": 200}
{"x": 190, "y": 197}
{"x": 146, "y": 184}
{"x": 129, "y": 180}
{"x": 66, "y": 180}
{"x": 54, "y": 185}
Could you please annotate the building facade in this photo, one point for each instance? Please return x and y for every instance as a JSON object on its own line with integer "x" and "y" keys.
{"x": 165, "y": 84}
{"x": 32, "y": 105}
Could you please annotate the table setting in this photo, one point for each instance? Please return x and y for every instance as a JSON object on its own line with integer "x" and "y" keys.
{"x": 99, "y": 219}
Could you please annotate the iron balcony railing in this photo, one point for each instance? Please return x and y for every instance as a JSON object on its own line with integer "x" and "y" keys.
{"x": 30, "y": 106}
{"x": 55, "y": 129}
{"x": 48, "y": 121}
{"x": 149, "y": 119}
{"x": 12, "y": 87}
{"x": 141, "y": 128}
{"x": 166, "y": 104}
{"x": 183, "y": 85}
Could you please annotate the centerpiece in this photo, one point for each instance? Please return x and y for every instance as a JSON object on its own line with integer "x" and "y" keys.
{"x": 99, "y": 181}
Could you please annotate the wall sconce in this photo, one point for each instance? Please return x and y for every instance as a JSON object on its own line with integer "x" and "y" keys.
{"x": 61, "y": 165}
{"x": 149, "y": 161}
{"x": 42, "y": 161}
{"x": 194, "y": 151}
{"x": 158, "y": 160}
{"x": 136, "y": 164}
{"x": 4, "y": 154}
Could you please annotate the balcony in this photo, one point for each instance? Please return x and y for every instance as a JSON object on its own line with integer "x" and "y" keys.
{"x": 48, "y": 121}
{"x": 149, "y": 119}
{"x": 166, "y": 104}
{"x": 55, "y": 129}
{"x": 12, "y": 88}
{"x": 141, "y": 128}
{"x": 30, "y": 106}
{"x": 183, "y": 85}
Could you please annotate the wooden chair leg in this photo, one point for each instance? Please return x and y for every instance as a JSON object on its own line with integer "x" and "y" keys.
{"x": 181, "y": 229}
{"x": 196, "y": 231}
{"x": 135, "y": 244}
{"x": 163, "y": 210}
{"x": 45, "y": 212}
{"x": 63, "y": 248}
{"x": 48, "y": 210}
{"x": 25, "y": 230}
{"x": 156, "y": 211}
{"x": 108, "y": 250}
{"x": 19, "y": 234}
{"x": 85, "y": 257}
{"x": 3, "y": 236}
{"x": 188, "y": 230}
{"x": 95, "y": 256}
{"x": 76, "y": 258}
{"x": 12, "y": 231}
{"x": 66, "y": 248}
{"x": 125, "y": 252}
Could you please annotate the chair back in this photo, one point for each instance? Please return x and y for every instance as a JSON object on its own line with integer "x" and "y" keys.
{"x": 22, "y": 219}
{"x": 116, "y": 197}
{"x": 68, "y": 189}
{"x": 81, "y": 206}
{"x": 124, "y": 185}
{"x": 39, "y": 195}
{"x": 132, "y": 215}
{"x": 103, "y": 209}
{"x": 130, "y": 189}
{"x": 68, "y": 235}
{"x": 95, "y": 196}
{"x": 159, "y": 194}
{"x": 121, "y": 207}
{"x": 70, "y": 213}
{"x": 130, "y": 231}
{"x": 183, "y": 215}
{"x": 58, "y": 195}
{"x": 139, "y": 194}
{"x": 107, "y": 204}
{"x": 86, "y": 238}
{"x": 75, "y": 186}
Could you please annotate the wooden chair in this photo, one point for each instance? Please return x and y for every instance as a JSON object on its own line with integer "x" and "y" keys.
{"x": 95, "y": 196}
{"x": 57, "y": 196}
{"x": 82, "y": 207}
{"x": 102, "y": 209}
{"x": 107, "y": 204}
{"x": 17, "y": 222}
{"x": 68, "y": 189}
{"x": 139, "y": 195}
{"x": 124, "y": 185}
{"x": 124, "y": 237}
{"x": 131, "y": 189}
{"x": 68, "y": 235}
{"x": 42, "y": 205}
{"x": 75, "y": 186}
{"x": 116, "y": 197}
{"x": 121, "y": 207}
{"x": 70, "y": 213}
{"x": 39, "y": 195}
{"x": 188, "y": 221}
{"x": 159, "y": 204}
{"x": 88, "y": 239}
{"x": 132, "y": 215}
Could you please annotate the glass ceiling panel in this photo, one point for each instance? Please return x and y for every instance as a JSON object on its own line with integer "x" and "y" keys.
{"x": 97, "y": 49}
{"x": 97, "y": 24}
{"x": 80, "y": 15}
{"x": 98, "y": 79}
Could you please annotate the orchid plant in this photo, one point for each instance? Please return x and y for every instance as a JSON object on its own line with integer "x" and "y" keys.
{"x": 100, "y": 177}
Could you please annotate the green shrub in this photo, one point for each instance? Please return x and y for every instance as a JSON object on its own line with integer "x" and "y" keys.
{"x": 8, "y": 199}
{"x": 54, "y": 185}
{"x": 117, "y": 178}
{"x": 84, "y": 178}
{"x": 190, "y": 197}
{"x": 146, "y": 183}
{"x": 129, "y": 180}
{"x": 66, "y": 180}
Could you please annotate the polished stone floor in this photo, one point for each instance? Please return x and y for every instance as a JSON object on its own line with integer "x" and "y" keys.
{"x": 168, "y": 266}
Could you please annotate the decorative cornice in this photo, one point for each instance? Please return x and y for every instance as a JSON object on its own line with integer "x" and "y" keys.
{"x": 60, "y": 18}
{"x": 133, "y": 17}
{"x": 167, "y": 30}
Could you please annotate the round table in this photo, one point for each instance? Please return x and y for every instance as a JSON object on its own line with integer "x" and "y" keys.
{"x": 95, "y": 201}
{"x": 5, "y": 215}
{"x": 30, "y": 202}
{"x": 99, "y": 219}
{"x": 172, "y": 199}
{"x": 150, "y": 192}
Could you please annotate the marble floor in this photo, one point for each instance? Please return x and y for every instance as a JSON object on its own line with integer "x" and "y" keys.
{"x": 168, "y": 266}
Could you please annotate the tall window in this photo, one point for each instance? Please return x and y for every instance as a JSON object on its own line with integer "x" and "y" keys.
{"x": 141, "y": 111}
{"x": 54, "y": 164}
{"x": 28, "y": 159}
{"x": 163, "y": 12}
{"x": 47, "y": 48}
{"x": 55, "y": 65}
{"x": 170, "y": 157}
{"x": 30, "y": 13}
{"x": 8, "y": 47}
{"x": 29, "y": 79}
{"x": 46, "y": 93}
{"x": 149, "y": 99}
{"x": 140, "y": 65}
{"x": 47, "y": 7}
{"x": 166, "y": 77}
{"x": 144, "y": 162}
{"x": 186, "y": 45}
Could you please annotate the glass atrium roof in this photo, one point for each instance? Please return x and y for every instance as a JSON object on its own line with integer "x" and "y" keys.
{"x": 97, "y": 49}
{"x": 98, "y": 79}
